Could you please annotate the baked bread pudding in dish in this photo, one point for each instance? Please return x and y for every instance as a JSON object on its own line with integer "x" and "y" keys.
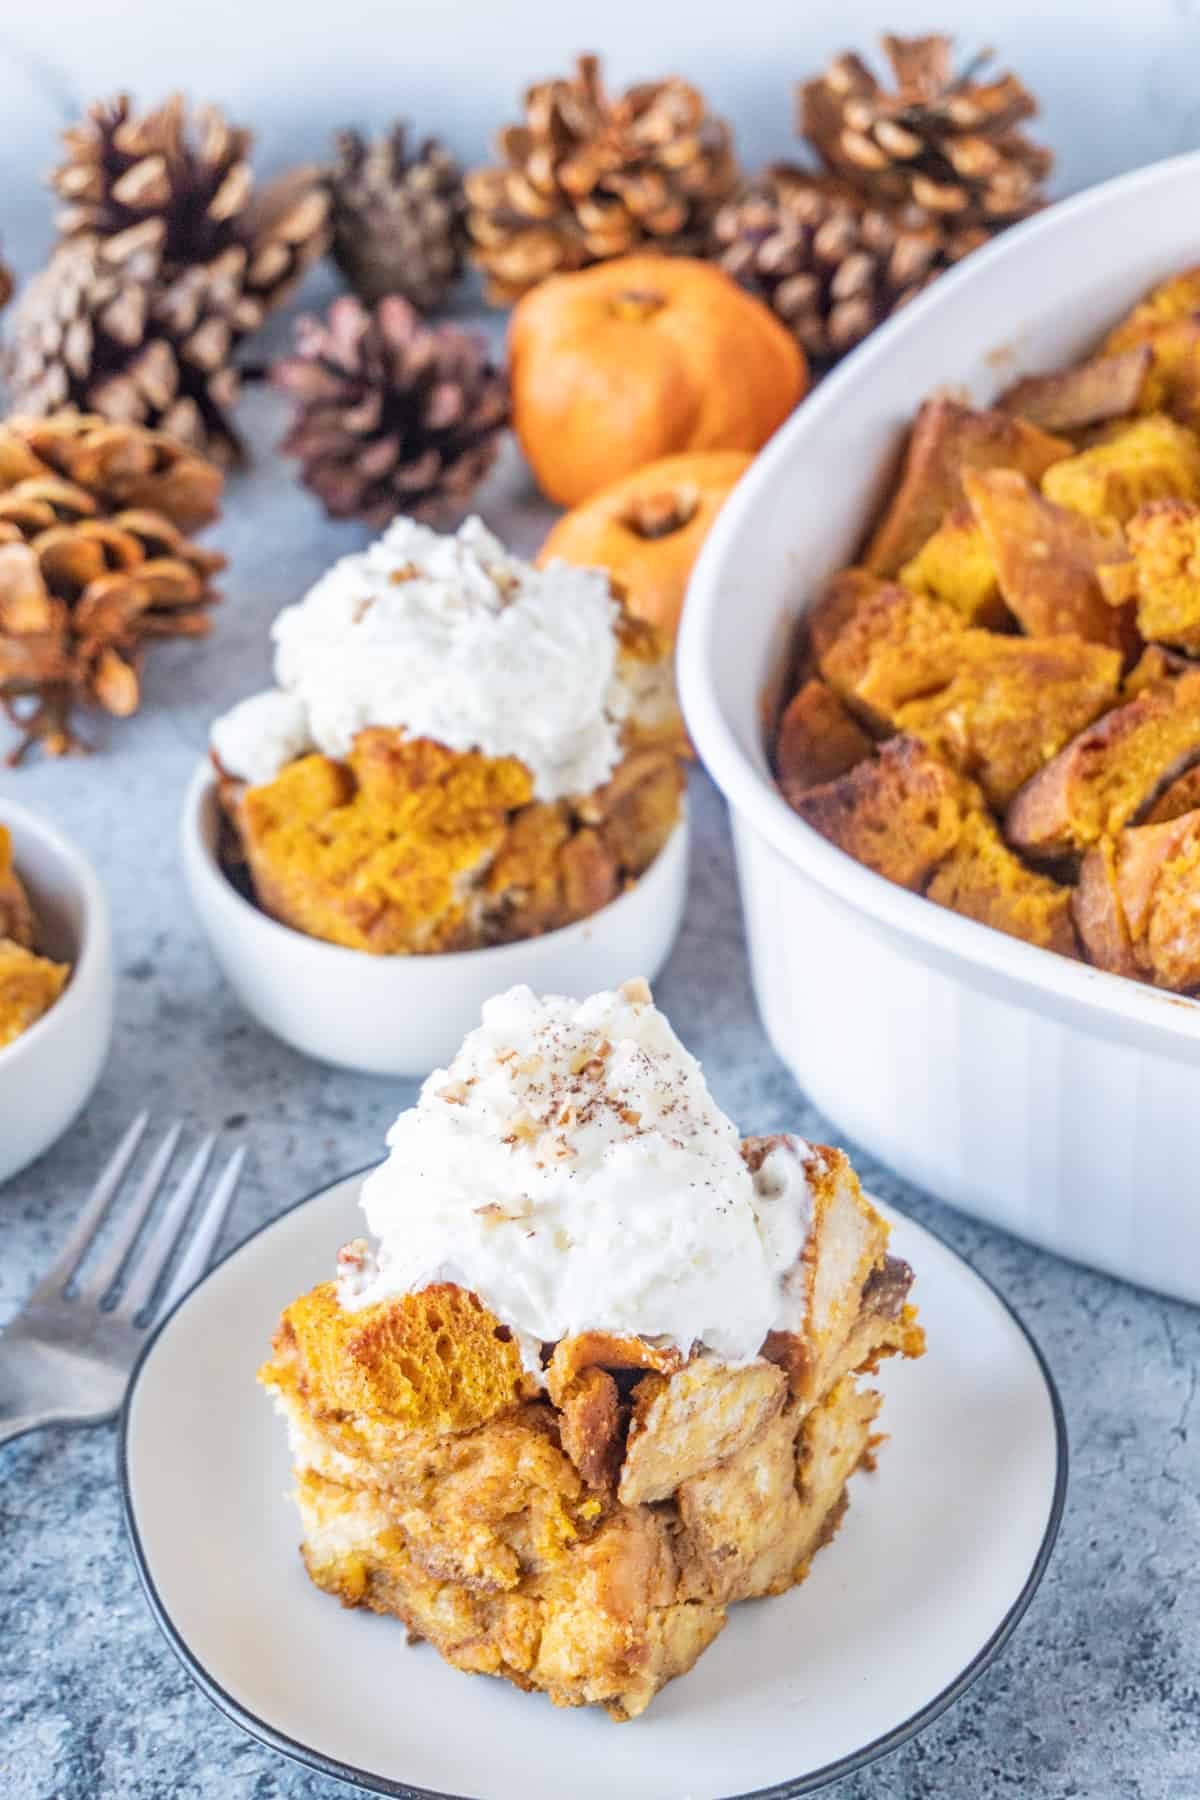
{"x": 999, "y": 706}
{"x": 29, "y": 983}
{"x": 602, "y": 1375}
{"x": 462, "y": 749}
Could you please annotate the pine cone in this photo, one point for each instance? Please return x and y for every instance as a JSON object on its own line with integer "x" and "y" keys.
{"x": 588, "y": 176}
{"x": 399, "y": 221}
{"x": 831, "y": 266}
{"x": 394, "y": 416}
{"x": 947, "y": 143}
{"x": 169, "y": 260}
{"x": 86, "y": 584}
{"x": 101, "y": 330}
{"x": 7, "y": 284}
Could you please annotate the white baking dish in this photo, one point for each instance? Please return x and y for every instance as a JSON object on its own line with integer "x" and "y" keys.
{"x": 1053, "y": 1099}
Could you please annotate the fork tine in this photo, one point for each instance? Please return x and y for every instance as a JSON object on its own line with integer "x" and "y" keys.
{"x": 157, "y": 1253}
{"x": 208, "y": 1229}
{"x": 94, "y": 1209}
{"x": 109, "y": 1268}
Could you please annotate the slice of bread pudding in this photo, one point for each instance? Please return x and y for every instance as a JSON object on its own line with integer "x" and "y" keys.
{"x": 528, "y": 1480}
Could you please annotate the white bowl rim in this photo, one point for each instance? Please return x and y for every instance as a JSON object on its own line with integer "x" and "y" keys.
{"x": 285, "y": 938}
{"x": 94, "y": 930}
{"x": 748, "y": 785}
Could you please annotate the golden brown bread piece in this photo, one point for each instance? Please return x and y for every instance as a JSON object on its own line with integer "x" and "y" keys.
{"x": 1137, "y": 906}
{"x": 753, "y": 1525}
{"x": 1046, "y": 560}
{"x": 948, "y": 438}
{"x": 593, "y": 1424}
{"x": 1167, "y": 323}
{"x": 956, "y": 566}
{"x": 16, "y": 914}
{"x": 817, "y": 741}
{"x": 1105, "y": 777}
{"x": 1107, "y": 387}
{"x": 983, "y": 879}
{"x": 1179, "y": 796}
{"x": 683, "y": 1425}
{"x": 1162, "y": 572}
{"x": 1151, "y": 459}
{"x": 436, "y": 1361}
{"x": 992, "y": 707}
{"x": 846, "y": 593}
{"x": 29, "y": 986}
{"x": 910, "y": 817}
{"x": 900, "y": 814}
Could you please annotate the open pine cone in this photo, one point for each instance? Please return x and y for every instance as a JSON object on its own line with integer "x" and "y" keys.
{"x": 399, "y": 221}
{"x": 94, "y": 566}
{"x": 588, "y": 176}
{"x": 831, "y": 265}
{"x": 393, "y": 416}
{"x": 948, "y": 143}
{"x": 169, "y": 259}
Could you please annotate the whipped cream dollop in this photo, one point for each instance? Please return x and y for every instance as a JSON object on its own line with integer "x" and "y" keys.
{"x": 572, "y": 1168}
{"x": 446, "y": 637}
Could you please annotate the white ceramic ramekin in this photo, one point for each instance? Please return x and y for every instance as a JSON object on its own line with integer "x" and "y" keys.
{"x": 1048, "y": 1097}
{"x": 406, "y": 1015}
{"x": 48, "y": 1072}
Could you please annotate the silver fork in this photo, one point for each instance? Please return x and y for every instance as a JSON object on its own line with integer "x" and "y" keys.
{"x": 67, "y": 1356}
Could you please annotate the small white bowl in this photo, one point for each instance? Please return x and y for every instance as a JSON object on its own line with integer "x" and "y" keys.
{"x": 406, "y": 1015}
{"x": 47, "y": 1074}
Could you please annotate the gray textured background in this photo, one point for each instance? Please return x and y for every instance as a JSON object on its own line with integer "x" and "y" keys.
{"x": 1096, "y": 1698}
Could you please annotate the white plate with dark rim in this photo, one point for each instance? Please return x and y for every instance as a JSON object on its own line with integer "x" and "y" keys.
{"x": 939, "y": 1555}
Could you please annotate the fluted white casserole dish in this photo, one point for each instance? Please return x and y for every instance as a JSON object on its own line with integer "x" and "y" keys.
{"x": 1048, "y": 1097}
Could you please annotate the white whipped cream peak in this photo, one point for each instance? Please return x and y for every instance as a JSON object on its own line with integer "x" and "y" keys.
{"x": 573, "y": 1170}
{"x": 451, "y": 638}
{"x": 255, "y": 738}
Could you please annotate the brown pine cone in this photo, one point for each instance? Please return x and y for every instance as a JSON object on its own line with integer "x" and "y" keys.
{"x": 831, "y": 266}
{"x": 588, "y": 176}
{"x": 393, "y": 416}
{"x": 169, "y": 259}
{"x": 85, "y": 584}
{"x": 101, "y": 330}
{"x": 184, "y": 187}
{"x": 945, "y": 142}
{"x": 399, "y": 221}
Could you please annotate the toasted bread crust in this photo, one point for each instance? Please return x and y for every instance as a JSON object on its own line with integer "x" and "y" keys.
{"x": 901, "y": 813}
{"x": 1138, "y": 903}
{"x": 947, "y": 439}
{"x": 1091, "y": 393}
{"x": 1111, "y": 771}
{"x": 1047, "y": 560}
{"x": 818, "y": 741}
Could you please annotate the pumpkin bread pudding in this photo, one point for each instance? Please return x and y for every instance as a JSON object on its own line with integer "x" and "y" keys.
{"x": 29, "y": 983}
{"x": 603, "y": 1374}
{"x": 462, "y": 750}
{"x": 998, "y": 707}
